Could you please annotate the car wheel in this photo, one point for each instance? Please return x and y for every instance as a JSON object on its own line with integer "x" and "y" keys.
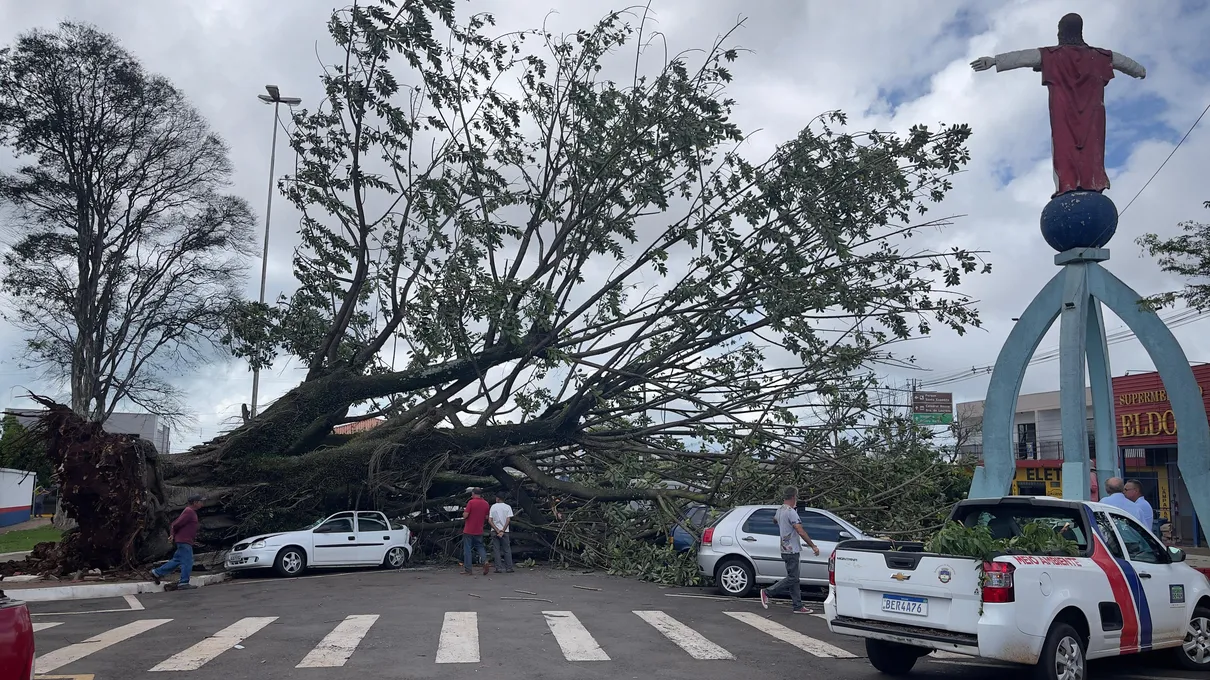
{"x": 395, "y": 558}
{"x": 290, "y": 561}
{"x": 1063, "y": 655}
{"x": 892, "y": 658}
{"x": 735, "y": 578}
{"x": 1195, "y": 653}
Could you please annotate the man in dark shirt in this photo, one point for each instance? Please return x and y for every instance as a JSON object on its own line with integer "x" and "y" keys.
{"x": 183, "y": 532}
{"x": 475, "y": 514}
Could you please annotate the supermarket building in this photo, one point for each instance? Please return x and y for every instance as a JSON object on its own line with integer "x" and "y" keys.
{"x": 1147, "y": 448}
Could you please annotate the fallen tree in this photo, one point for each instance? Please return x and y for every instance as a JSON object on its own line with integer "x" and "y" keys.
{"x": 579, "y": 291}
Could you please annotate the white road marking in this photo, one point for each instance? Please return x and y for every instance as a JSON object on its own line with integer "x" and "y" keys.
{"x": 459, "y": 638}
{"x": 64, "y": 655}
{"x": 135, "y": 605}
{"x": 335, "y": 649}
{"x": 44, "y": 626}
{"x": 803, "y": 642}
{"x": 693, "y": 642}
{"x": 573, "y": 638}
{"x": 207, "y": 650}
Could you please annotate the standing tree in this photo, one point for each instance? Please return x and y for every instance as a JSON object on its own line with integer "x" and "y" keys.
{"x": 127, "y": 253}
{"x": 574, "y": 287}
{"x": 1187, "y": 256}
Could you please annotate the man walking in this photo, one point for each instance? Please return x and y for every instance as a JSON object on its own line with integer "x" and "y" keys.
{"x": 475, "y": 513}
{"x": 500, "y": 517}
{"x": 790, "y": 528}
{"x": 183, "y": 532}
{"x": 1114, "y": 487}
{"x": 1142, "y": 509}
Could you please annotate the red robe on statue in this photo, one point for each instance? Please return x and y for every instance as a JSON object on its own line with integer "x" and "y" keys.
{"x": 1076, "y": 77}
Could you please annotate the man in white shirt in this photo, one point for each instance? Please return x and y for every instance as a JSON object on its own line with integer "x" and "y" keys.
{"x": 1114, "y": 486}
{"x": 500, "y": 516}
{"x": 1142, "y": 509}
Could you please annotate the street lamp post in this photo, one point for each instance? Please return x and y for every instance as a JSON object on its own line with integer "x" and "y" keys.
{"x": 274, "y": 97}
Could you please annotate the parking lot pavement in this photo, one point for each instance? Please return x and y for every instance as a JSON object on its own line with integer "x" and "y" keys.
{"x": 439, "y": 624}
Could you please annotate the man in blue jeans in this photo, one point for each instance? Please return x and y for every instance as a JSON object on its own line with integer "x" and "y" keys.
{"x": 183, "y": 532}
{"x": 790, "y": 528}
{"x": 475, "y": 514}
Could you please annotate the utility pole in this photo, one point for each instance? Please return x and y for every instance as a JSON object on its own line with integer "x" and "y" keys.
{"x": 274, "y": 97}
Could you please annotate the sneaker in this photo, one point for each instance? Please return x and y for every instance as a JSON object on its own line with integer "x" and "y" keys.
{"x": 803, "y": 610}
{"x": 486, "y": 568}
{"x": 155, "y": 578}
{"x": 764, "y": 598}
{"x": 186, "y": 586}
{"x": 508, "y": 571}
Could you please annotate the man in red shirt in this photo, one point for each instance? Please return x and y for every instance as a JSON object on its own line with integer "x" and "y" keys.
{"x": 475, "y": 514}
{"x": 183, "y": 532}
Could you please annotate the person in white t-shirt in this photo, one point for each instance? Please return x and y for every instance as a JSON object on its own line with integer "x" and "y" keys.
{"x": 500, "y": 516}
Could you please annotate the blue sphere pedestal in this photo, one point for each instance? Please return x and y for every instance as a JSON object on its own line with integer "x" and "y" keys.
{"x": 1079, "y": 219}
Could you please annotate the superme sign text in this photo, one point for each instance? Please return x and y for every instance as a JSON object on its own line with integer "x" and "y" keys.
{"x": 1144, "y": 416}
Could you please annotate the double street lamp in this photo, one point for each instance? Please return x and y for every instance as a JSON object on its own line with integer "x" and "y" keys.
{"x": 274, "y": 97}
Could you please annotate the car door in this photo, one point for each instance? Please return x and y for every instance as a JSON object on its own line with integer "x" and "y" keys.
{"x": 825, "y": 533}
{"x": 335, "y": 541}
{"x": 373, "y": 535}
{"x": 760, "y": 539}
{"x": 1166, "y": 610}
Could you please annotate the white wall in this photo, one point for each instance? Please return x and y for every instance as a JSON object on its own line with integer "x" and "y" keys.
{"x": 16, "y": 496}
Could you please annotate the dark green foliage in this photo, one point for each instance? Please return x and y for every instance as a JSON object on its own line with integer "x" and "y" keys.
{"x": 22, "y": 449}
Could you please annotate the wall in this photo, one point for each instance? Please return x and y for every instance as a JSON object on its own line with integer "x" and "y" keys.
{"x": 16, "y": 496}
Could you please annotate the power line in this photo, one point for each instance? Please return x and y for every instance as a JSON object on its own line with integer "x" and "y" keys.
{"x": 1170, "y": 155}
{"x": 1176, "y": 320}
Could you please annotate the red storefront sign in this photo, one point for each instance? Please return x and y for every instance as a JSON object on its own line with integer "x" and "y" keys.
{"x": 1142, "y": 411}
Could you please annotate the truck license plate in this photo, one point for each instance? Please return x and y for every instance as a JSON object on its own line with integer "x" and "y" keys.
{"x": 902, "y": 604}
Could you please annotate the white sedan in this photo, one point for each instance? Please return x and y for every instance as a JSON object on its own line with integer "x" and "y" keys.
{"x": 346, "y": 539}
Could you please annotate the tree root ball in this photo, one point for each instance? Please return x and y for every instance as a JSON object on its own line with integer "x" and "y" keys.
{"x": 1079, "y": 219}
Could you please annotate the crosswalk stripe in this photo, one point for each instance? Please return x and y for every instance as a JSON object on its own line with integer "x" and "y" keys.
{"x": 803, "y": 642}
{"x": 336, "y": 648}
{"x": 573, "y": 638}
{"x": 45, "y": 625}
{"x": 693, "y": 642}
{"x": 198, "y": 655}
{"x": 64, "y": 655}
{"x": 459, "y": 638}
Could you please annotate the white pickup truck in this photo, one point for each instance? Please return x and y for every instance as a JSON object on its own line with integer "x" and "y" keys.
{"x": 346, "y": 539}
{"x": 1123, "y": 593}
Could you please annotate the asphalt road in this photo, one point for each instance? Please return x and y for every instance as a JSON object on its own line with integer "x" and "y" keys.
{"x": 439, "y": 624}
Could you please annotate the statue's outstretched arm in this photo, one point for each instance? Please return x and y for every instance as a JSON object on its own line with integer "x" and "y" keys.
{"x": 1008, "y": 61}
{"x": 1128, "y": 66}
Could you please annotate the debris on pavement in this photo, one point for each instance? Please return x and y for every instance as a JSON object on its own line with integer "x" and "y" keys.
{"x": 587, "y": 588}
{"x": 524, "y": 592}
{"x": 529, "y": 599}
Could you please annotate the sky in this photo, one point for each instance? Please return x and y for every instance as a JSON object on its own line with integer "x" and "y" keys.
{"x": 887, "y": 63}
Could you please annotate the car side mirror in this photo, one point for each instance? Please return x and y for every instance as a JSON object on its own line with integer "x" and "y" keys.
{"x": 846, "y": 536}
{"x": 1176, "y": 554}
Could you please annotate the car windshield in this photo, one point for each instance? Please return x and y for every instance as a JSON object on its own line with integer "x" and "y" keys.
{"x": 314, "y": 524}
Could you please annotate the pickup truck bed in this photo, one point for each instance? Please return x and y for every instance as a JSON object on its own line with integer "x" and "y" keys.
{"x": 1123, "y": 593}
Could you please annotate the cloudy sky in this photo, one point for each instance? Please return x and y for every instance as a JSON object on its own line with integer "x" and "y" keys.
{"x": 888, "y": 63}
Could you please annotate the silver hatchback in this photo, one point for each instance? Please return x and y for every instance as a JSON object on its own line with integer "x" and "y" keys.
{"x": 742, "y": 548}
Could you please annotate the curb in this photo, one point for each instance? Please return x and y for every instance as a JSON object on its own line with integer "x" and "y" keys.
{"x": 13, "y": 556}
{"x": 102, "y": 590}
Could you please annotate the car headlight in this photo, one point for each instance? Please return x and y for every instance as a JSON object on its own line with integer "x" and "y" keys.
{"x": 257, "y": 546}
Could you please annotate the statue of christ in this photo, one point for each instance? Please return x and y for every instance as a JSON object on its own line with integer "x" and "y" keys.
{"x": 1076, "y": 76}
